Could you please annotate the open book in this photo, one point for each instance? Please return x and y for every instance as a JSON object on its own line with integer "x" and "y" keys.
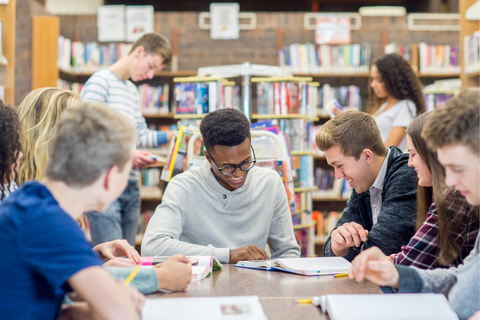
{"x": 303, "y": 266}
{"x": 386, "y": 306}
{"x": 202, "y": 266}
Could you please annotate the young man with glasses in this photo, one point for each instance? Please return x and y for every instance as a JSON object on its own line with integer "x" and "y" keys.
{"x": 227, "y": 207}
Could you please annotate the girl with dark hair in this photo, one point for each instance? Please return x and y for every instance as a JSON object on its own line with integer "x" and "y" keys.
{"x": 447, "y": 225}
{"x": 395, "y": 97}
{"x": 10, "y": 149}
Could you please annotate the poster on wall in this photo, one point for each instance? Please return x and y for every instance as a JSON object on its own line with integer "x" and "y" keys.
{"x": 111, "y": 23}
{"x": 332, "y": 29}
{"x": 139, "y": 20}
{"x": 224, "y": 21}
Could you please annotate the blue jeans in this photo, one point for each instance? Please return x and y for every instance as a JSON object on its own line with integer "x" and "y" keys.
{"x": 120, "y": 220}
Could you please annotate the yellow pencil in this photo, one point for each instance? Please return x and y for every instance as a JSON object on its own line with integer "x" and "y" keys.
{"x": 341, "y": 275}
{"x": 304, "y": 301}
{"x": 131, "y": 276}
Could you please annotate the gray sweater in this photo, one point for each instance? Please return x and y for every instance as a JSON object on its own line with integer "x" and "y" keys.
{"x": 460, "y": 284}
{"x": 200, "y": 217}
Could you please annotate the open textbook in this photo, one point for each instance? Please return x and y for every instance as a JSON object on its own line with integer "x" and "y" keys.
{"x": 211, "y": 308}
{"x": 303, "y": 266}
{"x": 405, "y": 306}
{"x": 202, "y": 266}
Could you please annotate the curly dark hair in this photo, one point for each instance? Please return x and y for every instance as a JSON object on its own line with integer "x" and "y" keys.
{"x": 9, "y": 144}
{"x": 224, "y": 127}
{"x": 400, "y": 82}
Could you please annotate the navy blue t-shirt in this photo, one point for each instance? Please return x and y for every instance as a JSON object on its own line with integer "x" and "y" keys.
{"x": 41, "y": 248}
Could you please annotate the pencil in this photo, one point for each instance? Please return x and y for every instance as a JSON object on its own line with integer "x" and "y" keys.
{"x": 304, "y": 301}
{"x": 341, "y": 275}
{"x": 131, "y": 276}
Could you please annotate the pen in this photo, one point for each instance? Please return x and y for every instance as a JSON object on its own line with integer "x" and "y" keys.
{"x": 304, "y": 301}
{"x": 341, "y": 275}
{"x": 132, "y": 275}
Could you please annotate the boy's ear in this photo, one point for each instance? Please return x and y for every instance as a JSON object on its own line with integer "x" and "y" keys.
{"x": 368, "y": 154}
{"x": 138, "y": 51}
{"x": 109, "y": 177}
{"x": 207, "y": 156}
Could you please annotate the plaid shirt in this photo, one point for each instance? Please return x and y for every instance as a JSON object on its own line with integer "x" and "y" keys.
{"x": 422, "y": 249}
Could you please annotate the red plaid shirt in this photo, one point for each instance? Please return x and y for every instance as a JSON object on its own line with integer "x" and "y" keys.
{"x": 422, "y": 249}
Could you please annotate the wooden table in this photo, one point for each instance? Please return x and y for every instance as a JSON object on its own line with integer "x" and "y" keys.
{"x": 278, "y": 291}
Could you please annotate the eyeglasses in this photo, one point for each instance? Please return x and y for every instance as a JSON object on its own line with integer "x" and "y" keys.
{"x": 231, "y": 169}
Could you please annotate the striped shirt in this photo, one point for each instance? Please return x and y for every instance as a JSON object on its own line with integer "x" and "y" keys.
{"x": 105, "y": 87}
{"x": 422, "y": 250}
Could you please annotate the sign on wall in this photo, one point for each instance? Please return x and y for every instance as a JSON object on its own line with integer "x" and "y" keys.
{"x": 332, "y": 29}
{"x": 224, "y": 21}
{"x": 124, "y": 23}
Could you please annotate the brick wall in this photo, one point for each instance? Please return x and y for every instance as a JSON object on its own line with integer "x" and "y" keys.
{"x": 196, "y": 49}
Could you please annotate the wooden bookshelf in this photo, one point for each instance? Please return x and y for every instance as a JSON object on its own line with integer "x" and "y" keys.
{"x": 189, "y": 116}
{"x": 330, "y": 199}
{"x": 166, "y": 73}
{"x": 8, "y": 16}
{"x": 438, "y": 75}
{"x": 158, "y": 116}
{"x": 304, "y": 153}
{"x": 284, "y": 116}
{"x": 467, "y": 28}
{"x": 319, "y": 158}
{"x": 306, "y": 189}
{"x": 158, "y": 199}
{"x": 333, "y": 75}
{"x": 304, "y": 226}
{"x": 45, "y": 31}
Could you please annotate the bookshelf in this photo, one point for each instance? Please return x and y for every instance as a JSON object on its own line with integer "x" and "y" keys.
{"x": 45, "y": 31}
{"x": 467, "y": 28}
{"x": 7, "y": 71}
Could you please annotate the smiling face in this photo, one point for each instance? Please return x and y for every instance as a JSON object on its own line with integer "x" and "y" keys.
{"x": 357, "y": 173}
{"x": 144, "y": 65}
{"x": 462, "y": 168}
{"x": 415, "y": 161}
{"x": 230, "y": 156}
{"x": 377, "y": 83}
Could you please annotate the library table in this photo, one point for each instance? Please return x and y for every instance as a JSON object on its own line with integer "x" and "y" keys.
{"x": 278, "y": 291}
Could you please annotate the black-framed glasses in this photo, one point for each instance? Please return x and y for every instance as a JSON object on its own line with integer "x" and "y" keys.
{"x": 231, "y": 169}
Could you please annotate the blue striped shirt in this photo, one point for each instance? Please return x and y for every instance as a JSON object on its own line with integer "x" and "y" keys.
{"x": 105, "y": 87}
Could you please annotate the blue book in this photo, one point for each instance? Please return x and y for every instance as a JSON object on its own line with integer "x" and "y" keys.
{"x": 201, "y": 98}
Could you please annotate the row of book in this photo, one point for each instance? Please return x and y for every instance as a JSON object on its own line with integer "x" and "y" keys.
{"x": 437, "y": 100}
{"x": 347, "y": 96}
{"x": 303, "y": 165}
{"x": 472, "y": 52}
{"x": 404, "y": 50}
{"x": 443, "y": 59}
{"x": 79, "y": 57}
{"x": 326, "y": 222}
{"x": 282, "y": 98}
{"x": 329, "y": 187}
{"x": 204, "y": 97}
{"x": 305, "y": 241}
{"x": 143, "y": 221}
{"x": 154, "y": 100}
{"x": 308, "y": 58}
{"x": 150, "y": 183}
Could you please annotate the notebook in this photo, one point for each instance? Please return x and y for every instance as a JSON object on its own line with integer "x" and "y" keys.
{"x": 405, "y": 306}
{"x": 202, "y": 266}
{"x": 304, "y": 266}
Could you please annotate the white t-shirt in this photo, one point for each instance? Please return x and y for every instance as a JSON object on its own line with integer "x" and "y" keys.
{"x": 400, "y": 115}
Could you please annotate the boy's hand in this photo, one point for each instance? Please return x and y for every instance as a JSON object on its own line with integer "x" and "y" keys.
{"x": 141, "y": 158}
{"x": 174, "y": 274}
{"x": 120, "y": 263}
{"x": 118, "y": 248}
{"x": 373, "y": 265}
{"x": 346, "y": 236}
{"x": 250, "y": 252}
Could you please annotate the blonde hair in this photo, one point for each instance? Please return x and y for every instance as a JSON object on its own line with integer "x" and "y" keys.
{"x": 352, "y": 131}
{"x": 39, "y": 113}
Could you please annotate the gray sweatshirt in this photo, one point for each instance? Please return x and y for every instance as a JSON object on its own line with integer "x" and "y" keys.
{"x": 200, "y": 217}
{"x": 460, "y": 284}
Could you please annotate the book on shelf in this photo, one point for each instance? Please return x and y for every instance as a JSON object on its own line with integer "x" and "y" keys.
{"x": 204, "y": 97}
{"x": 176, "y": 161}
{"x": 78, "y": 57}
{"x": 328, "y": 186}
{"x": 202, "y": 266}
{"x": 204, "y": 308}
{"x": 439, "y": 59}
{"x": 326, "y": 222}
{"x": 403, "y": 50}
{"x": 303, "y": 266}
{"x": 154, "y": 100}
{"x": 471, "y": 52}
{"x": 427, "y": 306}
{"x": 347, "y": 96}
{"x": 150, "y": 183}
{"x": 325, "y": 59}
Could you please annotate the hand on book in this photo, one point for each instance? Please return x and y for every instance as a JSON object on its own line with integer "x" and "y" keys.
{"x": 117, "y": 248}
{"x": 141, "y": 158}
{"x": 373, "y": 264}
{"x": 250, "y": 252}
{"x": 174, "y": 274}
{"x": 346, "y": 236}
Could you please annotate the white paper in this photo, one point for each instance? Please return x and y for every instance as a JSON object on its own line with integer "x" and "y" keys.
{"x": 211, "y": 308}
{"x": 224, "y": 21}
{"x": 139, "y": 21}
{"x": 111, "y": 23}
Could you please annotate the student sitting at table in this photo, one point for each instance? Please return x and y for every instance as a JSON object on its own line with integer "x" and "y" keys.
{"x": 89, "y": 162}
{"x": 227, "y": 207}
{"x": 448, "y": 227}
{"x": 39, "y": 113}
{"x": 381, "y": 210}
{"x": 453, "y": 131}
